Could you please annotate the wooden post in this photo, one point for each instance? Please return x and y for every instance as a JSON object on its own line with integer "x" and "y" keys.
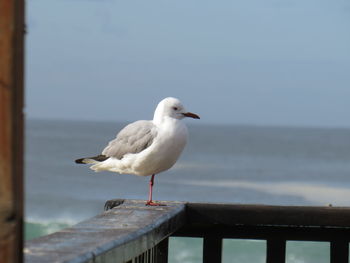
{"x": 162, "y": 251}
{"x": 212, "y": 249}
{"x": 11, "y": 130}
{"x": 276, "y": 250}
{"x": 340, "y": 251}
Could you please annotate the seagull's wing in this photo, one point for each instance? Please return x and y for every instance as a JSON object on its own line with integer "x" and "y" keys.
{"x": 134, "y": 138}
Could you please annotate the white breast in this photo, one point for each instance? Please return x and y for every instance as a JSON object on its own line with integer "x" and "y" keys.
{"x": 165, "y": 150}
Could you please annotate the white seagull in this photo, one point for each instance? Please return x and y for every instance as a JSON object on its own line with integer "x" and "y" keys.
{"x": 146, "y": 148}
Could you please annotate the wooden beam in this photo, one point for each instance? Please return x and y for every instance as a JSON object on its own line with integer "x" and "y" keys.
{"x": 267, "y": 215}
{"x": 122, "y": 234}
{"x": 293, "y": 233}
{"x": 11, "y": 129}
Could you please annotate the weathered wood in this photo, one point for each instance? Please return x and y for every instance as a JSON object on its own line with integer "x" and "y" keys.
{"x": 11, "y": 129}
{"x": 133, "y": 232}
{"x": 113, "y": 203}
{"x": 117, "y": 235}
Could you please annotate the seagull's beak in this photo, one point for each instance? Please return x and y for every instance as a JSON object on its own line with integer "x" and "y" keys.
{"x": 191, "y": 115}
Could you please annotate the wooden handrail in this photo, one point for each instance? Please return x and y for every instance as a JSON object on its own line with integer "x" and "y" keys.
{"x": 130, "y": 230}
{"x": 133, "y": 232}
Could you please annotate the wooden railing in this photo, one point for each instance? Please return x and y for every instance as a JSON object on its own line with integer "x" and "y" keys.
{"x": 132, "y": 232}
{"x": 275, "y": 224}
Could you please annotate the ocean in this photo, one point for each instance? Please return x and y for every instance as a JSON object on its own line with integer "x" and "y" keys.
{"x": 233, "y": 164}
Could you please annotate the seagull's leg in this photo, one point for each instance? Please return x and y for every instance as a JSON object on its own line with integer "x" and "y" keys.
{"x": 151, "y": 183}
{"x": 150, "y": 201}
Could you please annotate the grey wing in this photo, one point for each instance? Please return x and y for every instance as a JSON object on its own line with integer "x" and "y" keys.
{"x": 134, "y": 138}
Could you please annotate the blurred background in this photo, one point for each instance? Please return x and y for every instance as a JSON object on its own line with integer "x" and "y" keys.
{"x": 274, "y": 62}
{"x": 270, "y": 80}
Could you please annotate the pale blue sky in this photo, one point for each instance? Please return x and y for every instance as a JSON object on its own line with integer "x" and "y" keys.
{"x": 270, "y": 62}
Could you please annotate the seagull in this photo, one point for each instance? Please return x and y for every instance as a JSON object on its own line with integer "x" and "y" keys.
{"x": 146, "y": 148}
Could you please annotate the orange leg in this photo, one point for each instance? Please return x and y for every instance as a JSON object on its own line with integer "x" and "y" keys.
{"x": 150, "y": 201}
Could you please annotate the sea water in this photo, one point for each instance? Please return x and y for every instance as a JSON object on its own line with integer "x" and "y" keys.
{"x": 233, "y": 164}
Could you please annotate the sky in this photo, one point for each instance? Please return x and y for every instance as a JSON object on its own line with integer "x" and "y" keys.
{"x": 272, "y": 62}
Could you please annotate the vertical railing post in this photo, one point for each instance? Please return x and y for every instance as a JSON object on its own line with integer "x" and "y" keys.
{"x": 339, "y": 251}
{"x": 162, "y": 251}
{"x": 11, "y": 130}
{"x": 212, "y": 249}
{"x": 276, "y": 250}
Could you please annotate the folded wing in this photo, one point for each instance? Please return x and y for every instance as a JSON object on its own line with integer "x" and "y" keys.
{"x": 134, "y": 138}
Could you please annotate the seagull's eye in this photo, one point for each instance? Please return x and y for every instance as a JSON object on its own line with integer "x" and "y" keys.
{"x": 175, "y": 108}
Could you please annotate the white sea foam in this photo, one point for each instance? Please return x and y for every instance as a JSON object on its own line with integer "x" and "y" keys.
{"x": 65, "y": 219}
{"x": 38, "y": 226}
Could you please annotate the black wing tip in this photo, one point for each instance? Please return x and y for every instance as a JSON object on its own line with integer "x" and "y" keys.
{"x": 99, "y": 158}
{"x": 80, "y": 160}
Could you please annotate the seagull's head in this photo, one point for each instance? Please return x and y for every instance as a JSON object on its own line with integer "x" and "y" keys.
{"x": 172, "y": 107}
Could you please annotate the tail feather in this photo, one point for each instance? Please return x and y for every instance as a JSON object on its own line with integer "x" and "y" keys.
{"x": 92, "y": 160}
